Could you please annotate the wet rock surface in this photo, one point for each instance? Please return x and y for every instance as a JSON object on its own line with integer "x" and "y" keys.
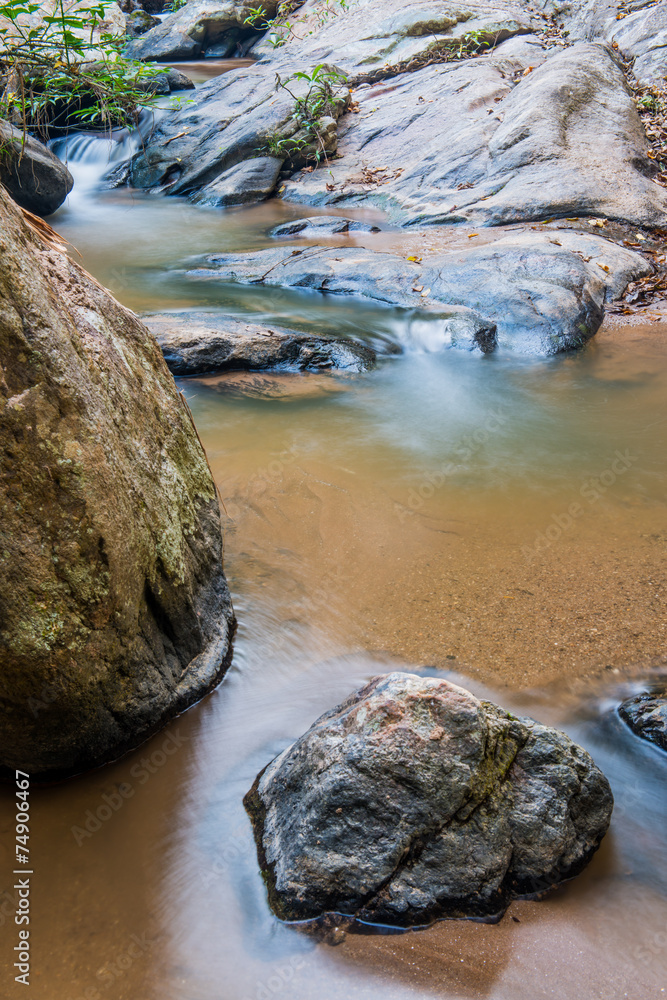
{"x": 646, "y": 715}
{"x": 414, "y": 801}
{"x": 114, "y": 610}
{"x": 35, "y": 178}
{"x": 543, "y": 292}
{"x": 321, "y": 225}
{"x": 197, "y": 343}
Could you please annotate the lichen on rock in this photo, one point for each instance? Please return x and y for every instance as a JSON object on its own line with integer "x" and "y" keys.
{"x": 112, "y": 592}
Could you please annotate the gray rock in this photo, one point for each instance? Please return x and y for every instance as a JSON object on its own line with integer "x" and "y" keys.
{"x": 544, "y": 292}
{"x": 638, "y": 28}
{"x": 35, "y": 178}
{"x": 115, "y": 613}
{"x": 194, "y": 28}
{"x": 564, "y": 140}
{"x": 178, "y": 80}
{"x": 413, "y": 801}
{"x": 322, "y": 225}
{"x": 243, "y": 184}
{"x": 646, "y": 715}
{"x": 642, "y": 37}
{"x": 389, "y": 34}
{"x": 198, "y": 343}
{"x": 234, "y": 117}
{"x": 139, "y": 22}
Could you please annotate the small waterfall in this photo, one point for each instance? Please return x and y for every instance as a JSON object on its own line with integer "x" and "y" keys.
{"x": 91, "y": 155}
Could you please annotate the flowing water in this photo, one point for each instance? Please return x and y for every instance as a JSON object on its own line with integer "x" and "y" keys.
{"x": 499, "y": 520}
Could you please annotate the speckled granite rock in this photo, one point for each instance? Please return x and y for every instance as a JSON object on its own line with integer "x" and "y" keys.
{"x": 413, "y": 800}
{"x": 114, "y": 610}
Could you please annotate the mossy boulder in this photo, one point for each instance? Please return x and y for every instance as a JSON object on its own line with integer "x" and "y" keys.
{"x": 114, "y": 610}
{"x": 413, "y": 800}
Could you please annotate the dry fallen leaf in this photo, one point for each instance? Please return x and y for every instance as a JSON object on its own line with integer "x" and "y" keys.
{"x": 604, "y": 267}
{"x": 415, "y": 260}
{"x": 427, "y": 291}
{"x": 470, "y": 235}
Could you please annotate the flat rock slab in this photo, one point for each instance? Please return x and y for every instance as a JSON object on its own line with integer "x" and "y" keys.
{"x": 478, "y": 142}
{"x": 322, "y": 225}
{"x": 197, "y": 343}
{"x": 646, "y": 715}
{"x": 413, "y": 801}
{"x": 538, "y": 292}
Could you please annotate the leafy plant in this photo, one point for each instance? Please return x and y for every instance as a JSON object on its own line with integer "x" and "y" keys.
{"x": 282, "y": 29}
{"x": 173, "y": 5}
{"x": 310, "y": 108}
{"x": 60, "y": 70}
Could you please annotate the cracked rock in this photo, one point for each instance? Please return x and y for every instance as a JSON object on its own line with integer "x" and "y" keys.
{"x": 414, "y": 801}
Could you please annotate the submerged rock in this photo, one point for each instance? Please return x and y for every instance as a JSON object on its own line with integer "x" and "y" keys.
{"x": 196, "y": 343}
{"x": 413, "y": 801}
{"x": 35, "y": 178}
{"x": 322, "y": 225}
{"x": 543, "y": 292}
{"x": 114, "y": 611}
{"x": 646, "y": 715}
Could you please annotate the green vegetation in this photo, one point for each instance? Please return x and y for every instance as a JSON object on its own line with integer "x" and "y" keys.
{"x": 61, "y": 70}
{"x": 282, "y": 28}
{"x": 317, "y": 102}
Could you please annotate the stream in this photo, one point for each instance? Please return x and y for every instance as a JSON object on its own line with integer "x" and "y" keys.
{"x": 417, "y": 517}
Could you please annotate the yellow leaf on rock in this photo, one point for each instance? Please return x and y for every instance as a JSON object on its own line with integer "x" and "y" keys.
{"x": 415, "y": 260}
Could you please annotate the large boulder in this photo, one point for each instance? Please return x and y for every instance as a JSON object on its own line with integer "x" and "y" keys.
{"x": 413, "y": 800}
{"x": 384, "y": 36}
{"x": 525, "y": 130}
{"x": 495, "y": 146}
{"x": 241, "y": 116}
{"x": 35, "y": 178}
{"x": 646, "y": 715}
{"x": 197, "y": 26}
{"x": 197, "y": 343}
{"x": 114, "y": 610}
{"x": 543, "y": 292}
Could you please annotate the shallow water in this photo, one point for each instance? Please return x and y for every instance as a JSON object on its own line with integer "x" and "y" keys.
{"x": 414, "y": 517}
